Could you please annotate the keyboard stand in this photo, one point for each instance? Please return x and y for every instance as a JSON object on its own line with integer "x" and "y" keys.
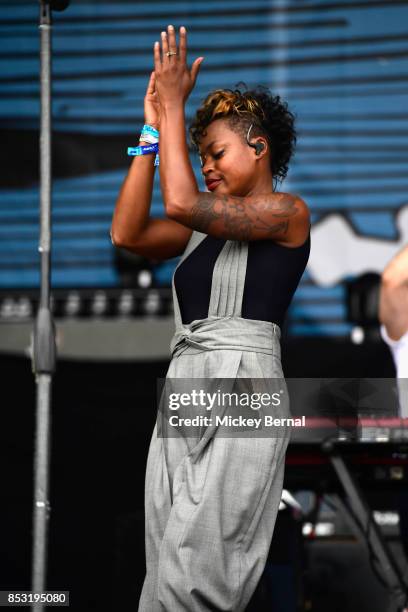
{"x": 360, "y": 517}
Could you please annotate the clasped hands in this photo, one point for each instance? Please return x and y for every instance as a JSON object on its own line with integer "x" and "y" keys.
{"x": 174, "y": 80}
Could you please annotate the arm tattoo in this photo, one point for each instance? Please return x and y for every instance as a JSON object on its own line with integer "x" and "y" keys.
{"x": 283, "y": 207}
{"x": 203, "y": 211}
{"x": 241, "y": 216}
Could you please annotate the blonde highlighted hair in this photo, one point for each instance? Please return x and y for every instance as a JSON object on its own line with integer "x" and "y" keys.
{"x": 269, "y": 115}
{"x": 224, "y": 102}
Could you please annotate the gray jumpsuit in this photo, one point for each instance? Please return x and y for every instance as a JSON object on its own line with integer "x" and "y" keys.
{"x": 211, "y": 503}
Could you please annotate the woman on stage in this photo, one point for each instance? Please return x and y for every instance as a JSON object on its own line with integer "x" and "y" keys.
{"x": 211, "y": 503}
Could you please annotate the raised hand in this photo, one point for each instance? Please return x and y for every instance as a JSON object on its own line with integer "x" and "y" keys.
{"x": 174, "y": 80}
{"x": 152, "y": 104}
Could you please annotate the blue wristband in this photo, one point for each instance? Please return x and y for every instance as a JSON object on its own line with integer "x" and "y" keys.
{"x": 143, "y": 150}
{"x": 151, "y": 130}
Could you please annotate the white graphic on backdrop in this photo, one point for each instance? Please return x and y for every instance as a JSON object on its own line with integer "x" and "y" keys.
{"x": 337, "y": 251}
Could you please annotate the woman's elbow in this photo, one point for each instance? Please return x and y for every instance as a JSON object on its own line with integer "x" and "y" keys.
{"x": 174, "y": 211}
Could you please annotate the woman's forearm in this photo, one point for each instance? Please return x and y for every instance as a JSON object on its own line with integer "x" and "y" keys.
{"x": 177, "y": 179}
{"x": 132, "y": 209}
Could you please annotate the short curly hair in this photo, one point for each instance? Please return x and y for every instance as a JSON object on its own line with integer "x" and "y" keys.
{"x": 269, "y": 114}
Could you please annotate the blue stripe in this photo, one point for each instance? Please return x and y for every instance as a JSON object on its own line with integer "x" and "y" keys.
{"x": 58, "y": 256}
{"x": 138, "y": 46}
{"x": 321, "y": 329}
{"x": 90, "y": 9}
{"x": 333, "y": 311}
{"x": 76, "y": 277}
{"x": 315, "y": 293}
{"x": 8, "y": 245}
{"x": 61, "y": 66}
{"x": 59, "y": 230}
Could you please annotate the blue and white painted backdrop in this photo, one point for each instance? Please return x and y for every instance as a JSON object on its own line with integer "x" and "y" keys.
{"x": 341, "y": 65}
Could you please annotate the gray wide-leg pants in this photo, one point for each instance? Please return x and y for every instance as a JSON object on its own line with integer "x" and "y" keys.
{"x": 211, "y": 502}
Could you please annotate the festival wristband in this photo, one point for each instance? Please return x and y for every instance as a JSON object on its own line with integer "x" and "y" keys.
{"x": 151, "y": 130}
{"x": 147, "y": 137}
{"x": 143, "y": 150}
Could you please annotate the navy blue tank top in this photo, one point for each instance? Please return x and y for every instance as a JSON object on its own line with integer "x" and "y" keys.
{"x": 272, "y": 275}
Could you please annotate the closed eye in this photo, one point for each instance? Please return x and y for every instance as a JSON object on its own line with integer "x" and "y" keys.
{"x": 216, "y": 156}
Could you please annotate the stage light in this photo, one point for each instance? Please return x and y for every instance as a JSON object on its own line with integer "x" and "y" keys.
{"x": 324, "y": 529}
{"x": 7, "y": 308}
{"x": 99, "y": 304}
{"x": 144, "y": 278}
{"x": 126, "y": 304}
{"x": 13, "y": 307}
{"x": 24, "y": 308}
{"x": 320, "y": 529}
{"x": 88, "y": 302}
{"x": 386, "y": 518}
{"x": 72, "y": 306}
{"x": 357, "y": 335}
{"x": 152, "y": 303}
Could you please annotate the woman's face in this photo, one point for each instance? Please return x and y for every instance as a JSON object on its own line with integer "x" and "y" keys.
{"x": 226, "y": 156}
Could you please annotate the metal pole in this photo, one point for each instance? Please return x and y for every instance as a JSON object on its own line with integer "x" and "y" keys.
{"x": 44, "y": 346}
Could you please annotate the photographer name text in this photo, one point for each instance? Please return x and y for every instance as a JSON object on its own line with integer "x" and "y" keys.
{"x": 239, "y": 421}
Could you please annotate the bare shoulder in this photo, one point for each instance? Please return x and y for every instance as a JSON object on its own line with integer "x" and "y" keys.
{"x": 299, "y": 226}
